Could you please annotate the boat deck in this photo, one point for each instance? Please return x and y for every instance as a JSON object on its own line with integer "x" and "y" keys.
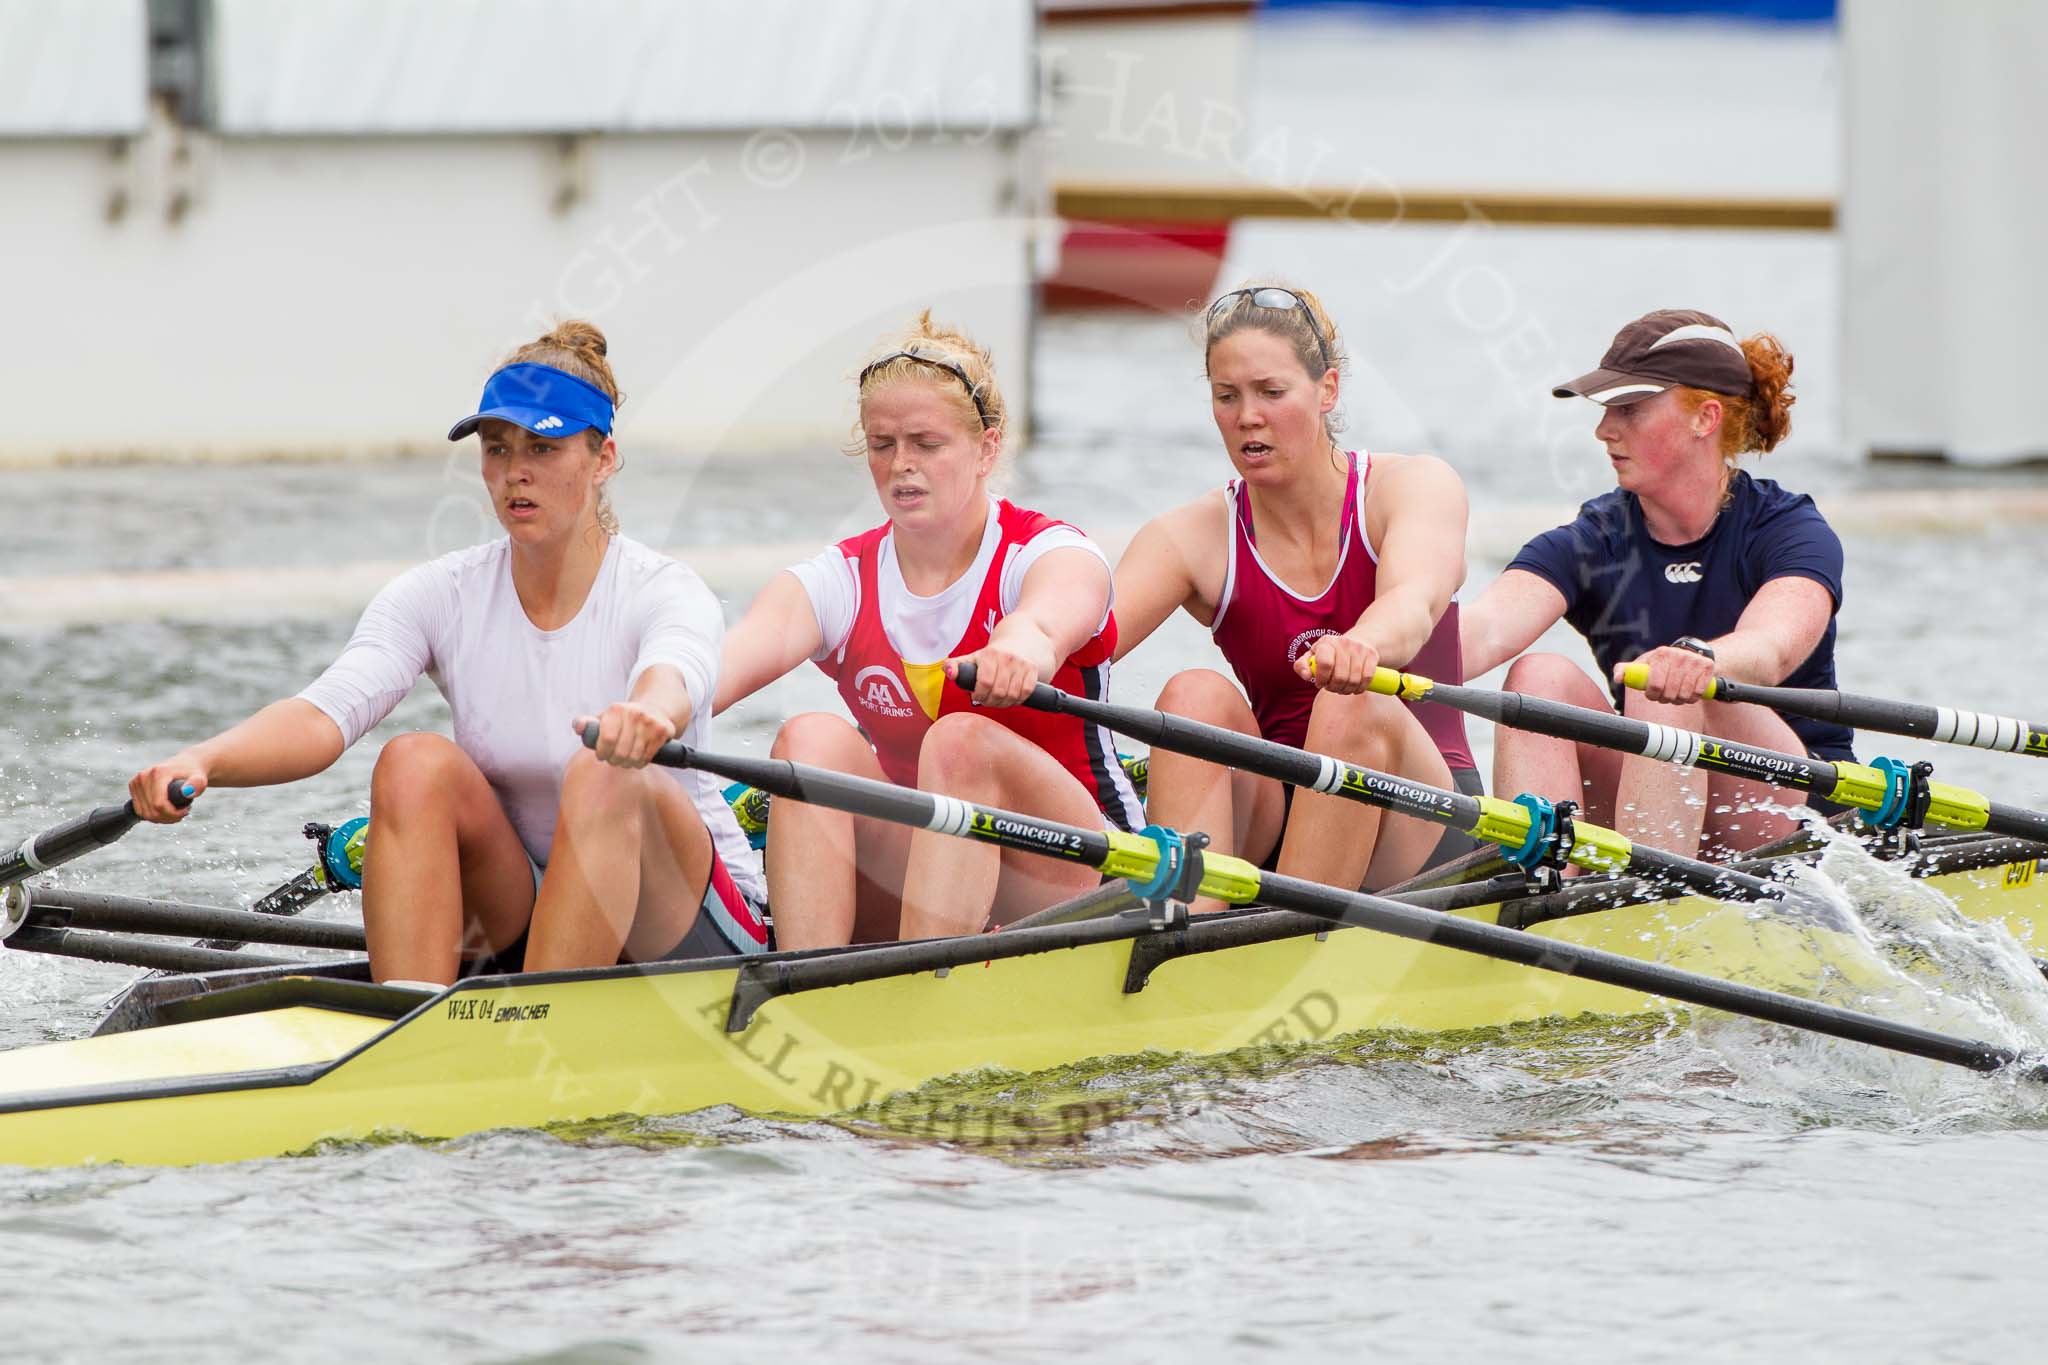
{"x": 266, "y": 1040}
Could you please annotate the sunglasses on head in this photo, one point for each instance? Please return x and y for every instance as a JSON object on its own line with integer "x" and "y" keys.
{"x": 1280, "y": 301}
{"x": 937, "y": 363}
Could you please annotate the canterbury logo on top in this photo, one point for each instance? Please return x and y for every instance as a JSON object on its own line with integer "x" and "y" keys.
{"x": 1688, "y": 572}
{"x": 896, "y": 700}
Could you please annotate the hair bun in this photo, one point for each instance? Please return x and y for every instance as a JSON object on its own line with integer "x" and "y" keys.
{"x": 575, "y": 334}
{"x": 1770, "y": 370}
{"x": 576, "y": 347}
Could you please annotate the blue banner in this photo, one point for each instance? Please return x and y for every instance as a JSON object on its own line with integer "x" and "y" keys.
{"x": 1764, "y": 11}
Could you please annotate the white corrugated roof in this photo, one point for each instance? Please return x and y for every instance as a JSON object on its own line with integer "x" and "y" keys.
{"x": 73, "y": 68}
{"x": 503, "y": 66}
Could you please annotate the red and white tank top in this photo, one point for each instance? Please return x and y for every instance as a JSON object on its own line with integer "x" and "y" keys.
{"x": 896, "y": 700}
{"x": 1262, "y": 626}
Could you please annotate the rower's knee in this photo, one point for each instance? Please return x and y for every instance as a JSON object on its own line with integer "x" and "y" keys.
{"x": 954, "y": 756}
{"x": 1362, "y": 727}
{"x": 1551, "y": 676}
{"x": 817, "y": 737}
{"x": 413, "y": 773}
{"x": 594, "y": 790}
{"x": 1205, "y": 695}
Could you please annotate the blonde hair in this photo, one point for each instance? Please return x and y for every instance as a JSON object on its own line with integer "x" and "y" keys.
{"x": 1242, "y": 315}
{"x": 1759, "y": 420}
{"x": 938, "y": 342}
{"x": 577, "y": 347}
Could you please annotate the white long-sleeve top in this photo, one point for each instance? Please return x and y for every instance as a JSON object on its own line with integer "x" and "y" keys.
{"x": 514, "y": 688}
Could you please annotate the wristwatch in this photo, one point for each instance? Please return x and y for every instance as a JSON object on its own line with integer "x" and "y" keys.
{"x": 1695, "y": 644}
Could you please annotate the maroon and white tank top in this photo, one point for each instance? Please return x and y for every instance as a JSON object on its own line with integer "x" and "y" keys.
{"x": 1262, "y": 626}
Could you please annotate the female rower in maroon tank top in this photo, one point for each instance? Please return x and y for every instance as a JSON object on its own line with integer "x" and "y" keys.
{"x": 1311, "y": 568}
{"x": 954, "y": 574}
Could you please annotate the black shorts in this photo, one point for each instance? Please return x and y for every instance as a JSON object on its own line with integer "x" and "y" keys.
{"x": 703, "y": 940}
{"x": 728, "y": 924}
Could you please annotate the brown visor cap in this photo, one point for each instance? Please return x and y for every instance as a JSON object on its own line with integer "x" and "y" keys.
{"x": 1661, "y": 350}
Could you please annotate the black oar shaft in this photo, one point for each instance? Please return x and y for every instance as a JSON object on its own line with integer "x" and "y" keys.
{"x": 1294, "y": 766}
{"x": 132, "y": 914}
{"x": 132, "y": 952}
{"x": 1851, "y": 784}
{"x": 901, "y": 805}
{"x": 1612, "y": 969}
{"x": 1238, "y": 881}
{"x": 61, "y": 843}
{"x": 1944, "y": 725}
{"x": 1316, "y": 772}
{"x": 286, "y": 899}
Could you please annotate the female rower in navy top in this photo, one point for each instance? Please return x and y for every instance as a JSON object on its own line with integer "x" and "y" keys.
{"x": 1690, "y": 567}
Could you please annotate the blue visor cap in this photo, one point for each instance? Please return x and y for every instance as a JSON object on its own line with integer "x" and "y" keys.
{"x": 544, "y": 400}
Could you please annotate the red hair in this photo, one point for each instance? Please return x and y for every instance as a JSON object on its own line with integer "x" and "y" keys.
{"x": 1758, "y": 422}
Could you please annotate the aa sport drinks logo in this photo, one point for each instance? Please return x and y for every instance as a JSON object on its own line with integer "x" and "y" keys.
{"x": 883, "y": 692}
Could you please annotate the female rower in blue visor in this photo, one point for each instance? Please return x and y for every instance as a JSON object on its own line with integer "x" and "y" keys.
{"x": 511, "y": 841}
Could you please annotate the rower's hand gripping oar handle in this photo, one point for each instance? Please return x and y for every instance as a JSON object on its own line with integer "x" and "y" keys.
{"x": 1636, "y": 677}
{"x": 179, "y": 793}
{"x": 674, "y": 754}
{"x": 1042, "y": 698}
{"x": 1942, "y": 724}
{"x": 95, "y": 829}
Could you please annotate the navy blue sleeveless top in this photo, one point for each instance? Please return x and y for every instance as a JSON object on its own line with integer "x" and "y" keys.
{"x": 1627, "y": 593}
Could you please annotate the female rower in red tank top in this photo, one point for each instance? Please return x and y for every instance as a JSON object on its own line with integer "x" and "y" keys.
{"x": 954, "y": 575}
{"x": 1311, "y": 568}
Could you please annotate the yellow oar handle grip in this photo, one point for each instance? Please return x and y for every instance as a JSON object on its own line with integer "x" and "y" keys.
{"x": 1636, "y": 677}
{"x": 1407, "y": 686}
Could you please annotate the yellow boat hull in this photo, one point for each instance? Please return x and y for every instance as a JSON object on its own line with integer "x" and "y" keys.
{"x": 528, "y": 1052}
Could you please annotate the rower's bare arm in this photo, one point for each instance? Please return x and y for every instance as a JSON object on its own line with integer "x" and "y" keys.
{"x": 779, "y": 632}
{"x": 1176, "y": 560}
{"x": 1060, "y": 606}
{"x": 1417, "y": 520}
{"x": 1509, "y": 616}
{"x": 285, "y": 741}
{"x": 1777, "y": 631}
{"x": 629, "y": 732}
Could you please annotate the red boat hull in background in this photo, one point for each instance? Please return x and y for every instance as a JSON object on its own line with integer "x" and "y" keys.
{"x": 1158, "y": 267}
